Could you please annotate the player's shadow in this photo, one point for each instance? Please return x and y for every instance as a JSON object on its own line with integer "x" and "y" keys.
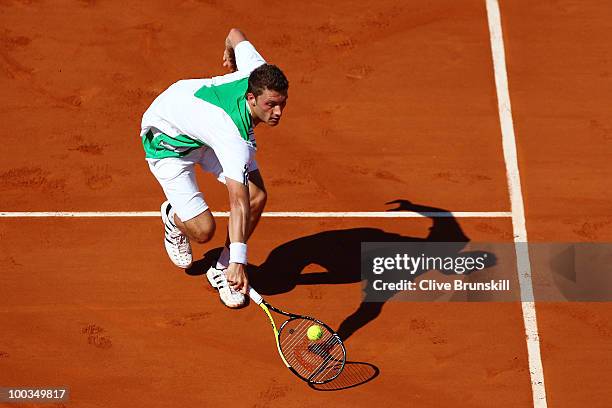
{"x": 338, "y": 253}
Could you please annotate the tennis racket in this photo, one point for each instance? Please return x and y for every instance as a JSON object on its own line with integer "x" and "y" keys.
{"x": 315, "y": 361}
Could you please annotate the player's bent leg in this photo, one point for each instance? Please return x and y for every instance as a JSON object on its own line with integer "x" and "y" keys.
{"x": 176, "y": 176}
{"x": 201, "y": 228}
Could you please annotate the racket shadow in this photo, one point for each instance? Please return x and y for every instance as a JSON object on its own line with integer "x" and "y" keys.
{"x": 355, "y": 373}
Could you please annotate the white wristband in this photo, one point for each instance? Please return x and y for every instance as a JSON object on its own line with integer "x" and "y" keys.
{"x": 238, "y": 253}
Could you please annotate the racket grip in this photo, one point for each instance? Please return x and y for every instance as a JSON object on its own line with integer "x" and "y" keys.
{"x": 255, "y": 297}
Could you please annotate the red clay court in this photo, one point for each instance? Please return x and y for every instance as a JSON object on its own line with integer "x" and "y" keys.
{"x": 389, "y": 100}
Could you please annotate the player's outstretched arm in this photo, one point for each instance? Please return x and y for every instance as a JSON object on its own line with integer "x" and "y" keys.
{"x": 234, "y": 37}
{"x": 238, "y": 226}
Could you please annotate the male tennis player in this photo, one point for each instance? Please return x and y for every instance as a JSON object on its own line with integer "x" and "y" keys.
{"x": 210, "y": 122}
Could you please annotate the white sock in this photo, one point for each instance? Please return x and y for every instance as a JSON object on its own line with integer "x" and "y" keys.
{"x": 223, "y": 261}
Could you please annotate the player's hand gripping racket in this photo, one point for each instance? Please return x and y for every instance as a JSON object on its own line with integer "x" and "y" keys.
{"x": 316, "y": 361}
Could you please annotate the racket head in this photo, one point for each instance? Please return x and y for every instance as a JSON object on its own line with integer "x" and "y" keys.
{"x": 315, "y": 361}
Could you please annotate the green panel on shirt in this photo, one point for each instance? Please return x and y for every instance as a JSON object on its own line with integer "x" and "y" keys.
{"x": 162, "y": 145}
{"x": 230, "y": 97}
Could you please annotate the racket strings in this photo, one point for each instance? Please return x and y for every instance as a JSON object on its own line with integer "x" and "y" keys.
{"x": 299, "y": 349}
{"x": 314, "y": 360}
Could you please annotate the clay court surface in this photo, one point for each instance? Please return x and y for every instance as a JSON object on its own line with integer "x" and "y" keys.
{"x": 388, "y": 100}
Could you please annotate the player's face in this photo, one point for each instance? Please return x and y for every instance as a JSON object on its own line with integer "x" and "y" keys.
{"x": 268, "y": 107}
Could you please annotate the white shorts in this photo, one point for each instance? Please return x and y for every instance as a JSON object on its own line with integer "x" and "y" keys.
{"x": 177, "y": 177}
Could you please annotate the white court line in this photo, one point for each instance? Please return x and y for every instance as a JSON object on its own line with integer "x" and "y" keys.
{"x": 518, "y": 209}
{"x": 285, "y": 214}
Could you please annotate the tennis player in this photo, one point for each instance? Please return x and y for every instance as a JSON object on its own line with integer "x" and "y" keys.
{"x": 209, "y": 122}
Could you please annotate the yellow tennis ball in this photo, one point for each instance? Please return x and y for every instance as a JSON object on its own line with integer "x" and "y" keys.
{"x": 315, "y": 332}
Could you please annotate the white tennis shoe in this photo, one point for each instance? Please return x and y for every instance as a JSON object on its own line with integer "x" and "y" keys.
{"x": 176, "y": 243}
{"x": 229, "y": 297}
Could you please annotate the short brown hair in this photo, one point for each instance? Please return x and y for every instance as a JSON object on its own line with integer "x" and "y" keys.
{"x": 267, "y": 76}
